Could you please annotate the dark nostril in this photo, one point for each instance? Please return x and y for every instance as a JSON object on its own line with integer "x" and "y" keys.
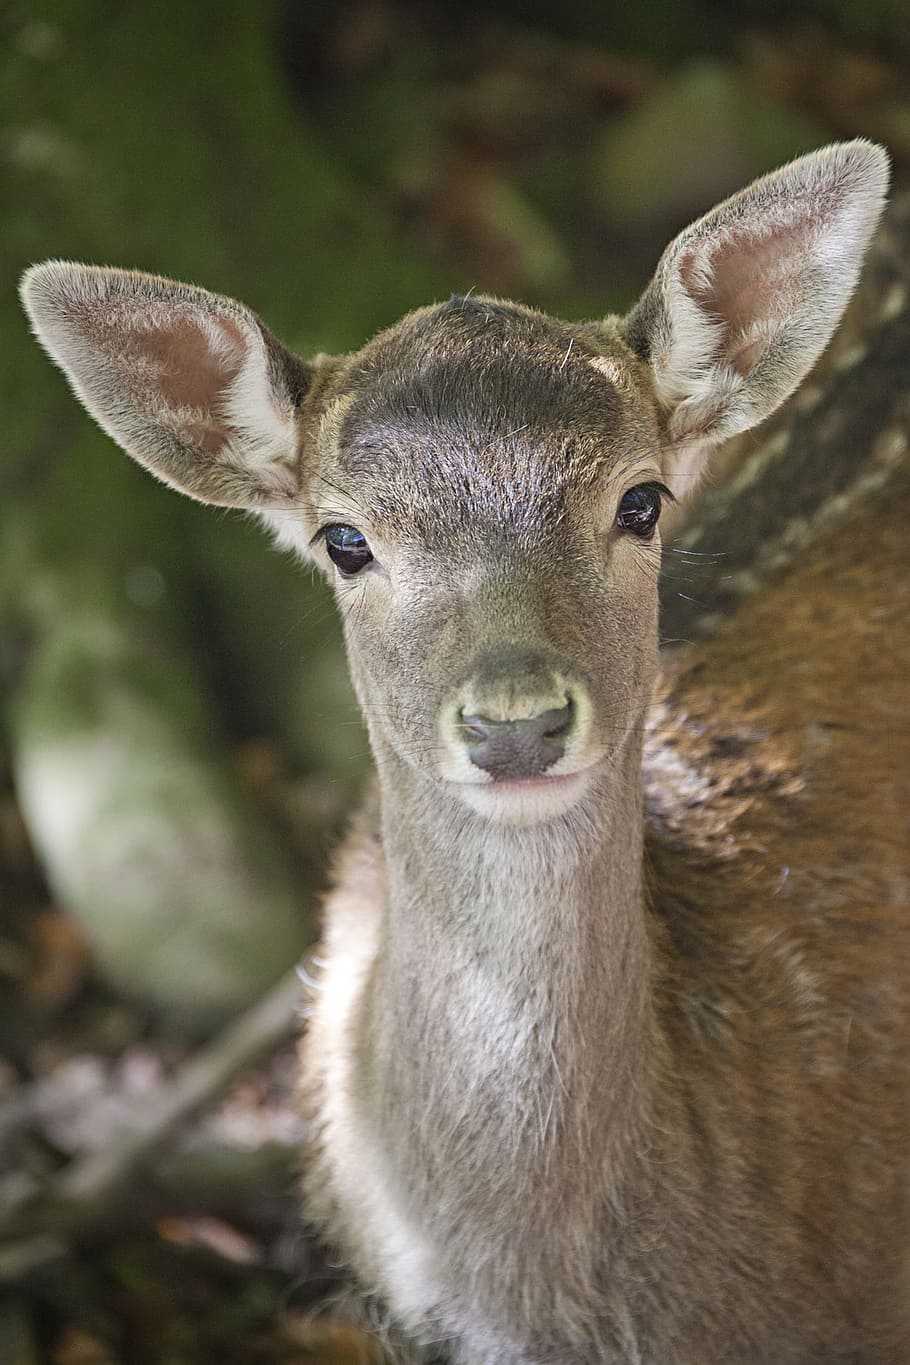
{"x": 547, "y": 724}
{"x": 559, "y": 720}
{"x": 478, "y": 727}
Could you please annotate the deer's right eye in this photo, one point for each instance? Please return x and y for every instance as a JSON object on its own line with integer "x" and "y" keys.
{"x": 639, "y": 509}
{"x": 348, "y": 549}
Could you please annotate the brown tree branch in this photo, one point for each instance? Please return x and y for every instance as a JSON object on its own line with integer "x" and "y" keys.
{"x": 84, "y": 1194}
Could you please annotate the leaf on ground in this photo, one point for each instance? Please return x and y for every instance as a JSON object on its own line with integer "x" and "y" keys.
{"x": 213, "y": 1234}
{"x": 323, "y": 1341}
{"x": 59, "y": 960}
{"x": 77, "y": 1347}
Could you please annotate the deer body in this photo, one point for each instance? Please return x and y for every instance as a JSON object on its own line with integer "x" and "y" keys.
{"x": 608, "y": 1060}
{"x": 710, "y": 1060}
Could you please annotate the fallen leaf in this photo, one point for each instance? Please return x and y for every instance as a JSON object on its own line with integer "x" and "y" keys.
{"x": 60, "y": 959}
{"x": 77, "y": 1347}
{"x": 324, "y": 1341}
{"x": 212, "y": 1233}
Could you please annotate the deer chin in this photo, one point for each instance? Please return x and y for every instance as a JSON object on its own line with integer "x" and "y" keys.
{"x": 526, "y": 801}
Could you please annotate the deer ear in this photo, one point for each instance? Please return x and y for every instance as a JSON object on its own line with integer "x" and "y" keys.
{"x": 746, "y": 299}
{"x": 188, "y": 383}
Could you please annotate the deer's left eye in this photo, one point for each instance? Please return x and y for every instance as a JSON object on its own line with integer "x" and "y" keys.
{"x": 639, "y": 509}
{"x": 348, "y": 549}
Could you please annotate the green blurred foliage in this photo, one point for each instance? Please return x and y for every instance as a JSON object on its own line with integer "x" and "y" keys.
{"x": 642, "y": 165}
{"x": 670, "y": 29}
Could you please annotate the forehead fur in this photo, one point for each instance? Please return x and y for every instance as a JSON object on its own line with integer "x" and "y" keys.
{"x": 489, "y": 410}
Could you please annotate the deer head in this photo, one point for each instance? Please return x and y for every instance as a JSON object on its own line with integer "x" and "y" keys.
{"x": 482, "y": 483}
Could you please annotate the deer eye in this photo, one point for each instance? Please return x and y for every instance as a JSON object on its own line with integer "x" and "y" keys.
{"x": 348, "y": 548}
{"x": 639, "y": 509}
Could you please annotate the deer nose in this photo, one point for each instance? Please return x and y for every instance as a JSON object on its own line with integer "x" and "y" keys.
{"x": 521, "y": 747}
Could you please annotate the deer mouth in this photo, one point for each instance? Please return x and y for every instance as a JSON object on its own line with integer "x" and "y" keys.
{"x": 541, "y": 781}
{"x": 527, "y": 800}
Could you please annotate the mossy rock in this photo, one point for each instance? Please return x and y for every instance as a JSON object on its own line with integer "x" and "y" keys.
{"x": 188, "y": 900}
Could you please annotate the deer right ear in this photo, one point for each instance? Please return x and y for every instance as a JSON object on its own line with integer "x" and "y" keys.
{"x": 746, "y": 299}
{"x": 187, "y": 382}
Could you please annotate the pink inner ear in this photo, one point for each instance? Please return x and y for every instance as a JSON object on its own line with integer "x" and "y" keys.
{"x": 755, "y": 282}
{"x": 191, "y": 373}
{"x": 182, "y": 367}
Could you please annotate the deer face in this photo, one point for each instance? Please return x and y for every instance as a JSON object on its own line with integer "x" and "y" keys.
{"x": 482, "y": 482}
{"x": 486, "y": 500}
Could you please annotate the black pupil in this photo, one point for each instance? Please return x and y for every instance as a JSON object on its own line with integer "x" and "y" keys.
{"x": 639, "y": 510}
{"x": 348, "y": 548}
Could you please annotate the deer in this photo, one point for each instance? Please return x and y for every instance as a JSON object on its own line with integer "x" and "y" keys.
{"x": 608, "y": 1055}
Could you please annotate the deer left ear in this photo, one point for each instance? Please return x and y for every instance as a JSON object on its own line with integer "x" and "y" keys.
{"x": 746, "y": 299}
{"x": 189, "y": 383}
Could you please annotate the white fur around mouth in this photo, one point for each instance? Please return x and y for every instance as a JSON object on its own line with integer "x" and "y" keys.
{"x": 526, "y": 801}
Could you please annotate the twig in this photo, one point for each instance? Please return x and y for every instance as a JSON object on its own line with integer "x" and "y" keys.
{"x": 84, "y": 1192}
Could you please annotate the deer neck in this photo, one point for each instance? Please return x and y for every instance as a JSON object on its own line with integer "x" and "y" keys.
{"x": 514, "y": 978}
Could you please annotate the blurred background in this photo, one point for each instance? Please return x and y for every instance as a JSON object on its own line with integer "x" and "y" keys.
{"x": 178, "y": 742}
